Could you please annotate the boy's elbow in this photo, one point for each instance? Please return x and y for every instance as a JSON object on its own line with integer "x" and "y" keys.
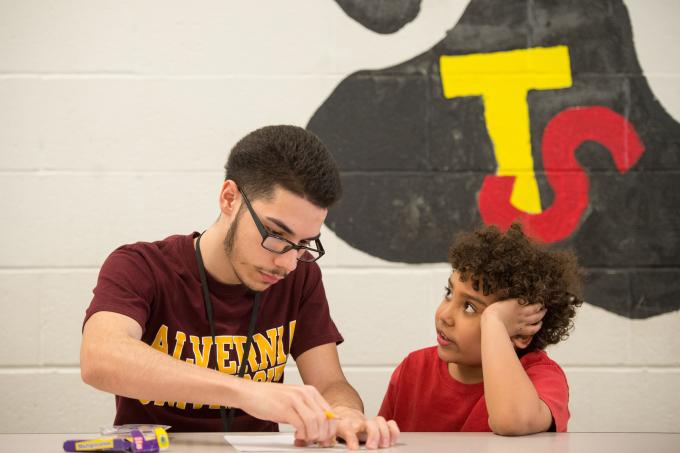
{"x": 510, "y": 429}
{"x": 513, "y": 425}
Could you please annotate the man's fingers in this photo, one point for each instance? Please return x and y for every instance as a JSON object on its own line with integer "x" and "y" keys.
{"x": 294, "y": 420}
{"x": 384, "y": 440}
{"x": 328, "y": 443}
{"x": 350, "y": 429}
{"x": 332, "y": 427}
{"x": 372, "y": 434}
{"x": 319, "y": 406}
{"x": 309, "y": 419}
{"x": 394, "y": 431}
{"x": 350, "y": 438}
{"x": 376, "y": 433}
{"x": 300, "y": 443}
{"x": 314, "y": 394}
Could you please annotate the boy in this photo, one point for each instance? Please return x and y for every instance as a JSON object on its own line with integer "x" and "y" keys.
{"x": 505, "y": 301}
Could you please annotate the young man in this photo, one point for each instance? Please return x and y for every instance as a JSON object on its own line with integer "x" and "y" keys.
{"x": 489, "y": 371}
{"x": 173, "y": 321}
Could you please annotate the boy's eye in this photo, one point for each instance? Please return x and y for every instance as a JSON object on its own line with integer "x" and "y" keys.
{"x": 469, "y": 308}
{"x": 447, "y": 292}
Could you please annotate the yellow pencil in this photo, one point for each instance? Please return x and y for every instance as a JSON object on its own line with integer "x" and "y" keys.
{"x": 331, "y": 416}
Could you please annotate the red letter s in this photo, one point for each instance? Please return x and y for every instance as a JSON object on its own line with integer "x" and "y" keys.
{"x": 561, "y": 138}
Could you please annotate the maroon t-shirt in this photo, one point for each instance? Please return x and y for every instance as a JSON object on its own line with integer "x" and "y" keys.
{"x": 158, "y": 285}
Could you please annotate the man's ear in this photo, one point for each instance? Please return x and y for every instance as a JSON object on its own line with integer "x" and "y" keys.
{"x": 521, "y": 341}
{"x": 230, "y": 198}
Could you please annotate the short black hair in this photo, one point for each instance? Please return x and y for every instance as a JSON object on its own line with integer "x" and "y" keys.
{"x": 287, "y": 156}
{"x": 511, "y": 265}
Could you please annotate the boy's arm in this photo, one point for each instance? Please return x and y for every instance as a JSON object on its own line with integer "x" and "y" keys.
{"x": 511, "y": 398}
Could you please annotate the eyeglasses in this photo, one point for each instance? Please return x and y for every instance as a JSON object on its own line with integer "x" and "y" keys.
{"x": 277, "y": 244}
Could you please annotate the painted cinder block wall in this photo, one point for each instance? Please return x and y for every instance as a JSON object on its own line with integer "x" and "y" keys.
{"x": 115, "y": 120}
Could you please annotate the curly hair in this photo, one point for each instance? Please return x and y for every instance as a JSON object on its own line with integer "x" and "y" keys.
{"x": 511, "y": 265}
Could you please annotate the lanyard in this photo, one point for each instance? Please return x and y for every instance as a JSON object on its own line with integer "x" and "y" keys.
{"x": 226, "y": 422}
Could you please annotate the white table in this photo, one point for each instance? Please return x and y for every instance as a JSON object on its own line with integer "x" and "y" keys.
{"x": 408, "y": 443}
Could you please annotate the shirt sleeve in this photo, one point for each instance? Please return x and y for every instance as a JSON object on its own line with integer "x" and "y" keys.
{"x": 124, "y": 286}
{"x": 552, "y": 388}
{"x": 314, "y": 326}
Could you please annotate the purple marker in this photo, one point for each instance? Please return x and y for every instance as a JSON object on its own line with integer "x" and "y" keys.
{"x": 135, "y": 443}
{"x": 111, "y": 444}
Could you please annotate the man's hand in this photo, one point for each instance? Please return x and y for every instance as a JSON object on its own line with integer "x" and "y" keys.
{"x": 518, "y": 319}
{"x": 299, "y": 405}
{"x": 354, "y": 427}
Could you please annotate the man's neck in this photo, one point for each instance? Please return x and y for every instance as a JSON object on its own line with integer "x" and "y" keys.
{"x": 214, "y": 258}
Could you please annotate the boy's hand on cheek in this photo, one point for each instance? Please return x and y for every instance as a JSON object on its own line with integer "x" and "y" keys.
{"x": 518, "y": 319}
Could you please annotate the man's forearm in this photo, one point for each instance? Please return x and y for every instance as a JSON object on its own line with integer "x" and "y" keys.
{"x": 129, "y": 367}
{"x": 341, "y": 393}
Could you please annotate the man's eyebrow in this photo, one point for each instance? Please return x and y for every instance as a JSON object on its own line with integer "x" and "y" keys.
{"x": 468, "y": 296}
{"x": 285, "y": 228}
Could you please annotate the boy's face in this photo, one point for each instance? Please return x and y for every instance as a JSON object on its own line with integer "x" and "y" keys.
{"x": 457, "y": 321}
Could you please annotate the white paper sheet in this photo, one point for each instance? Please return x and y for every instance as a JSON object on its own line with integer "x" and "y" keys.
{"x": 278, "y": 442}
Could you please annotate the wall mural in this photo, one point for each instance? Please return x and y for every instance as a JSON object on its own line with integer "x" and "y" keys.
{"x": 532, "y": 110}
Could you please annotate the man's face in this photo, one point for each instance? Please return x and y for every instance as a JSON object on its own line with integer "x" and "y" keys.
{"x": 457, "y": 322}
{"x": 285, "y": 214}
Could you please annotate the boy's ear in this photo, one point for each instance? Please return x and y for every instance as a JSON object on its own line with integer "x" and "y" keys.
{"x": 521, "y": 341}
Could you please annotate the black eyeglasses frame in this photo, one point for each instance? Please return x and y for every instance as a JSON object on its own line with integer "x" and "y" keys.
{"x": 289, "y": 245}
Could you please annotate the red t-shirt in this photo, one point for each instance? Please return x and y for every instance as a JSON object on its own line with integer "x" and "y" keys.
{"x": 422, "y": 395}
{"x": 158, "y": 285}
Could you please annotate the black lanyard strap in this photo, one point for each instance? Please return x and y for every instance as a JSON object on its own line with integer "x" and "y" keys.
{"x": 226, "y": 422}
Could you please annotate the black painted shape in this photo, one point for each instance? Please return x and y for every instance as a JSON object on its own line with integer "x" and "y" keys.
{"x": 381, "y": 16}
{"x": 412, "y": 162}
{"x": 652, "y": 289}
{"x": 609, "y": 284}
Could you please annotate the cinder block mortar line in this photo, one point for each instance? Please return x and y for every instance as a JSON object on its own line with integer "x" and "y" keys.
{"x": 9, "y": 75}
{"x": 141, "y": 172}
{"x": 623, "y": 368}
{"x": 132, "y": 75}
{"x": 396, "y": 268}
{"x": 65, "y": 369}
{"x": 417, "y": 172}
{"x": 354, "y": 269}
{"x": 11, "y": 270}
{"x": 85, "y": 172}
